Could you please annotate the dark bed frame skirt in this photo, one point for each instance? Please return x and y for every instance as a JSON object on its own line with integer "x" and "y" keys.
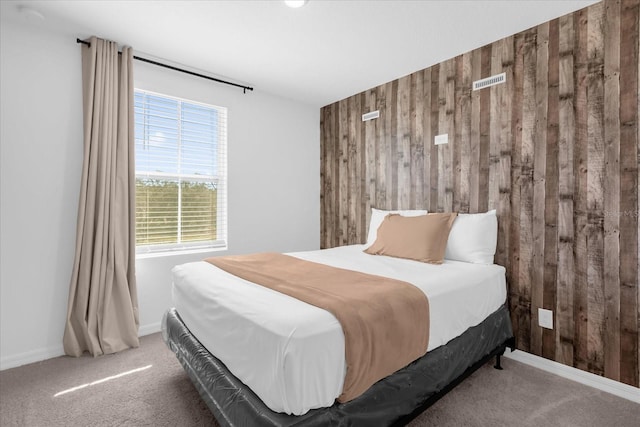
{"x": 394, "y": 400}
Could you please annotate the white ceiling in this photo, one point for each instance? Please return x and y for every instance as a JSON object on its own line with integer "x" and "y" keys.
{"x": 318, "y": 54}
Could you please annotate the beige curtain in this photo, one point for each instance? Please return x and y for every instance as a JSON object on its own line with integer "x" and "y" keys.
{"x": 102, "y": 315}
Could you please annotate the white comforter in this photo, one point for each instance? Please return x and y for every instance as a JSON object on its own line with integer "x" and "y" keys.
{"x": 290, "y": 353}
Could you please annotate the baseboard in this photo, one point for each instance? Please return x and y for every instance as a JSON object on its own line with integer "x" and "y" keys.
{"x": 33, "y": 356}
{"x": 601, "y": 383}
{"x": 13, "y": 361}
{"x": 149, "y": 329}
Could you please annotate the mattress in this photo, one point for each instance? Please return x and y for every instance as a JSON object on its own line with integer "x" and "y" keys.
{"x": 291, "y": 354}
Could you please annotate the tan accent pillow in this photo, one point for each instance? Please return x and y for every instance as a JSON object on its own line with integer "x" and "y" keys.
{"x": 421, "y": 238}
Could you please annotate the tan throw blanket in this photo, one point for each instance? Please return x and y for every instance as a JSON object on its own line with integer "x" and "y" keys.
{"x": 385, "y": 321}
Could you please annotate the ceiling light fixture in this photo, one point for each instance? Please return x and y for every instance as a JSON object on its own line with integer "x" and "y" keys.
{"x": 295, "y": 3}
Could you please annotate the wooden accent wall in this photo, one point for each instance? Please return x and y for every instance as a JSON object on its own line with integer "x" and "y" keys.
{"x": 555, "y": 150}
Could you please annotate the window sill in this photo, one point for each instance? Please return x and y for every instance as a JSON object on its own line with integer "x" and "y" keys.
{"x": 163, "y": 254}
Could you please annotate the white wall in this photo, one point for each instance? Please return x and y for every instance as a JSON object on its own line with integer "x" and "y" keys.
{"x": 273, "y": 173}
{"x": 274, "y": 184}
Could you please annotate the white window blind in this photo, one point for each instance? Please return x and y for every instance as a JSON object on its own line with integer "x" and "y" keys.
{"x": 181, "y": 172}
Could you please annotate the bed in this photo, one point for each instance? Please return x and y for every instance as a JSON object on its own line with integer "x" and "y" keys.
{"x": 259, "y": 357}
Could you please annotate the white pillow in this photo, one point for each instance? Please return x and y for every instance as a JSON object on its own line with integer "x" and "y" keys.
{"x": 377, "y": 216}
{"x": 473, "y": 238}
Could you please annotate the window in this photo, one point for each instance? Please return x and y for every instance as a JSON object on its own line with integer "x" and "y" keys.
{"x": 181, "y": 162}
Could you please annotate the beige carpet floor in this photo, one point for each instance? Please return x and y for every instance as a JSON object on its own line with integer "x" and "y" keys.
{"x": 155, "y": 391}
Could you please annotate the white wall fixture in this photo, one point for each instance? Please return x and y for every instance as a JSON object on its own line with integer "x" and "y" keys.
{"x": 370, "y": 116}
{"x": 545, "y": 318}
{"x": 295, "y": 3}
{"x": 441, "y": 139}
{"x": 490, "y": 81}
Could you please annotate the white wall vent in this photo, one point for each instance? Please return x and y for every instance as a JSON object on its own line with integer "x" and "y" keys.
{"x": 370, "y": 116}
{"x": 490, "y": 81}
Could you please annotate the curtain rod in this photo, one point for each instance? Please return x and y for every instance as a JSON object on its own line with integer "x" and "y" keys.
{"x": 171, "y": 67}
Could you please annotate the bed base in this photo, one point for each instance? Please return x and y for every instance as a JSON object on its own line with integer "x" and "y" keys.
{"x": 497, "y": 352}
{"x": 394, "y": 401}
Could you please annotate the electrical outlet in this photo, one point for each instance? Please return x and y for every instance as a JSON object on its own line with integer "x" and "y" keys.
{"x": 545, "y": 318}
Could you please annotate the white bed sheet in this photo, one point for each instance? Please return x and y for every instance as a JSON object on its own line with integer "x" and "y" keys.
{"x": 290, "y": 353}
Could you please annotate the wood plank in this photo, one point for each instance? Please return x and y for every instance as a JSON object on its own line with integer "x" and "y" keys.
{"x": 442, "y": 128}
{"x": 393, "y": 143}
{"x": 381, "y": 150}
{"x": 331, "y": 183}
{"x": 464, "y": 140}
{"x": 474, "y": 171}
{"x": 336, "y": 175}
{"x": 504, "y": 183}
{"x": 417, "y": 142}
{"x": 595, "y": 189}
{"x": 353, "y": 163}
{"x": 485, "y": 132}
{"x": 566, "y": 134}
{"x": 445, "y": 125}
{"x": 325, "y": 186}
{"x": 539, "y": 142}
{"x": 527, "y": 154}
{"x": 449, "y": 119}
{"x": 581, "y": 231}
{"x": 370, "y": 135}
{"x": 629, "y": 208}
{"x": 427, "y": 138}
{"x": 433, "y": 168}
{"x": 363, "y": 197}
{"x": 551, "y": 190}
{"x": 457, "y": 118}
{"x": 343, "y": 173}
{"x": 519, "y": 312}
{"x": 495, "y": 143}
{"x": 637, "y": 213}
{"x": 611, "y": 268}
{"x": 404, "y": 142}
{"x": 388, "y": 148}
{"x": 450, "y": 97}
